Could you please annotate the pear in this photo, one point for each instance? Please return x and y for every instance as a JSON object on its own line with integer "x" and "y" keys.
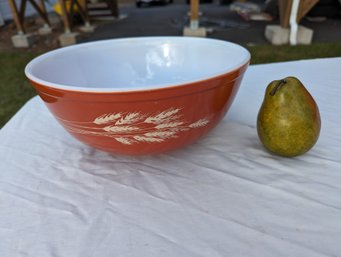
{"x": 288, "y": 121}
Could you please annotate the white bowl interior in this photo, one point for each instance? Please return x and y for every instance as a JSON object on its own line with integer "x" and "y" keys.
{"x": 136, "y": 63}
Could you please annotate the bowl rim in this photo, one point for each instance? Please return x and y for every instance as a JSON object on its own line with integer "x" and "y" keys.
{"x": 44, "y": 83}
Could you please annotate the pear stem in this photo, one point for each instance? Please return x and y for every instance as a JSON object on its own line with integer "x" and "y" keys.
{"x": 279, "y": 84}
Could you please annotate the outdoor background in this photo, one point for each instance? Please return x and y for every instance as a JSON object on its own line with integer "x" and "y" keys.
{"x": 164, "y": 20}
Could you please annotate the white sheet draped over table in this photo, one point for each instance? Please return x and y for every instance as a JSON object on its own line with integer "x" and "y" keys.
{"x": 222, "y": 196}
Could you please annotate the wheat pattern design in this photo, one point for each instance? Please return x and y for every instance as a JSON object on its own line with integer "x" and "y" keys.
{"x": 135, "y": 127}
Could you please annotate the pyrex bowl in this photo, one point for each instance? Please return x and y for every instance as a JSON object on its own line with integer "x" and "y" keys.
{"x": 143, "y": 95}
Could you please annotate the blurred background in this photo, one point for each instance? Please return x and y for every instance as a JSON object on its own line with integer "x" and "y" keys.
{"x": 31, "y": 27}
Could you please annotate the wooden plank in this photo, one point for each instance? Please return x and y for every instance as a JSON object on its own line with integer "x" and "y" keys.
{"x": 22, "y": 9}
{"x": 305, "y": 7}
{"x": 82, "y": 10}
{"x": 194, "y": 10}
{"x": 15, "y": 15}
{"x": 39, "y": 11}
{"x": 43, "y": 9}
{"x": 284, "y": 12}
{"x": 65, "y": 16}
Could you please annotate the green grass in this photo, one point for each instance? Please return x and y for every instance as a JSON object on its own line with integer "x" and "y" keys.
{"x": 270, "y": 53}
{"x": 15, "y": 89}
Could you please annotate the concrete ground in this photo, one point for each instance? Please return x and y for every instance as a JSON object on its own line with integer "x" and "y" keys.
{"x": 169, "y": 20}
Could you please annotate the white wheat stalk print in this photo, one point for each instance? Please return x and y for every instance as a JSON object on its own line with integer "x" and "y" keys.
{"x": 169, "y": 125}
{"x": 124, "y": 140}
{"x": 120, "y": 128}
{"x": 129, "y": 118}
{"x": 199, "y": 123}
{"x": 148, "y": 139}
{"x": 130, "y": 128}
{"x": 161, "y": 134}
{"x": 106, "y": 118}
{"x": 163, "y": 116}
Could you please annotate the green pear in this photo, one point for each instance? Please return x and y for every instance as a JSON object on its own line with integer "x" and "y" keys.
{"x": 288, "y": 121}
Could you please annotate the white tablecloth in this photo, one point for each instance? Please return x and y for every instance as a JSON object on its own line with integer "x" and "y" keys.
{"x": 222, "y": 196}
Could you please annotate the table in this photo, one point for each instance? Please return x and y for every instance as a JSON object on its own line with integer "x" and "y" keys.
{"x": 222, "y": 196}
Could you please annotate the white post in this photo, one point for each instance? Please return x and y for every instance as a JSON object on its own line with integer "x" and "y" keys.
{"x": 293, "y": 22}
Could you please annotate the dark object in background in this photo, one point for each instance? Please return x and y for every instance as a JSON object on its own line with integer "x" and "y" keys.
{"x": 225, "y": 2}
{"x": 202, "y": 1}
{"x": 271, "y": 7}
{"x": 142, "y": 3}
{"x": 326, "y": 8}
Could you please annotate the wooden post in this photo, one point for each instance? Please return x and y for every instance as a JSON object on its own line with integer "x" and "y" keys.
{"x": 291, "y": 13}
{"x": 194, "y": 23}
{"x": 42, "y": 6}
{"x": 22, "y": 10}
{"x": 285, "y": 10}
{"x": 305, "y": 7}
{"x": 19, "y": 15}
{"x": 40, "y": 11}
{"x": 65, "y": 16}
{"x": 43, "y": 9}
{"x": 16, "y": 17}
{"x": 70, "y": 37}
{"x": 82, "y": 9}
{"x": 194, "y": 30}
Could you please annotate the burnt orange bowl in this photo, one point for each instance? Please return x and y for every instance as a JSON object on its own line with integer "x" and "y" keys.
{"x": 143, "y": 95}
